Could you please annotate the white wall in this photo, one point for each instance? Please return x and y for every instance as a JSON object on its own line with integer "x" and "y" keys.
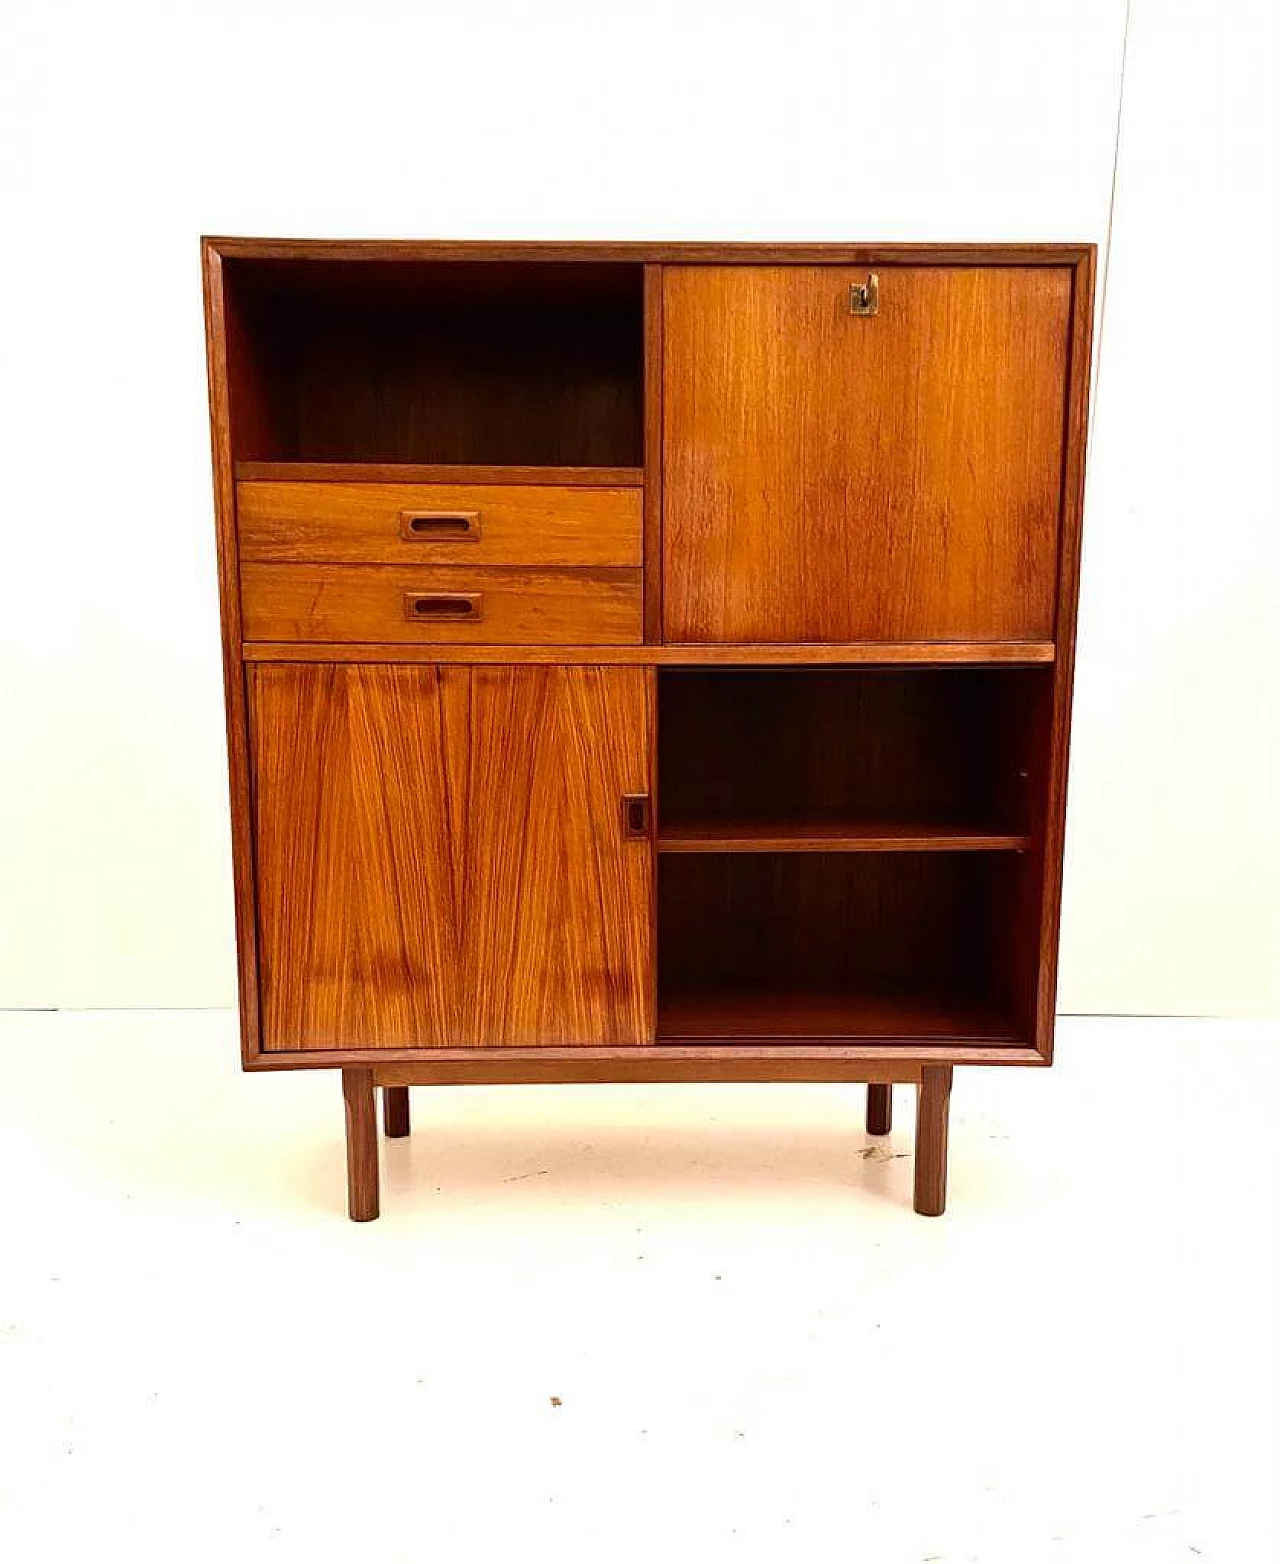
{"x": 130, "y": 129}
{"x": 1173, "y": 862}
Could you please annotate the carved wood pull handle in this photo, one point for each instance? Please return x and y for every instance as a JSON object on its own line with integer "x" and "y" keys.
{"x": 433, "y": 606}
{"x": 635, "y": 816}
{"x": 440, "y": 526}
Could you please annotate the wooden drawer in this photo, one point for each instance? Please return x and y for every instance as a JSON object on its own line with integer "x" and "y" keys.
{"x": 446, "y": 603}
{"x": 439, "y": 523}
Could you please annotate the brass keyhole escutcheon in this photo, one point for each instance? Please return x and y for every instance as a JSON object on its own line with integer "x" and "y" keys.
{"x": 864, "y": 297}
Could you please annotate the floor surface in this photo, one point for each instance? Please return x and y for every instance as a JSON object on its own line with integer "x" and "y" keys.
{"x": 624, "y": 1323}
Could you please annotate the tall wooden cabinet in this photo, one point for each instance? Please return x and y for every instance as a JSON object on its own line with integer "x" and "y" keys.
{"x": 647, "y": 662}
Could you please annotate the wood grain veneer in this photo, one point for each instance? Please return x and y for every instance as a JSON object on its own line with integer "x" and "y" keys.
{"x": 433, "y": 802}
{"x": 653, "y": 336}
{"x": 874, "y": 654}
{"x": 361, "y": 523}
{"x": 831, "y": 478}
{"x": 707, "y": 1059}
{"x": 365, "y": 252}
{"x": 319, "y": 602}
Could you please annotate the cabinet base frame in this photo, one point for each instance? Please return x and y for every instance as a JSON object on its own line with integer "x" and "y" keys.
{"x": 733, "y": 1059}
{"x": 932, "y": 1082}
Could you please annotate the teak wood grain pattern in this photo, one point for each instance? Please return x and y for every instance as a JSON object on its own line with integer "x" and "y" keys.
{"x": 830, "y": 477}
{"x": 367, "y": 603}
{"x": 681, "y": 253}
{"x": 362, "y": 523}
{"x": 441, "y": 856}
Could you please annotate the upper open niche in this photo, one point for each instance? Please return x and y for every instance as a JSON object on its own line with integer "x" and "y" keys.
{"x": 492, "y": 363}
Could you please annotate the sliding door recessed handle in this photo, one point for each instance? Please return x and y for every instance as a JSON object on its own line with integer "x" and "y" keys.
{"x": 635, "y": 816}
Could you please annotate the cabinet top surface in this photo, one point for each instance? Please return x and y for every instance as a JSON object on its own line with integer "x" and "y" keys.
{"x": 851, "y": 253}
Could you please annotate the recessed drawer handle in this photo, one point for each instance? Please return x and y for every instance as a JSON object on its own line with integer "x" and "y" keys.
{"x": 420, "y": 606}
{"x": 440, "y": 526}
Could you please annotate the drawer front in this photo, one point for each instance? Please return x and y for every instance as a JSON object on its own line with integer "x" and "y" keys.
{"x": 445, "y": 604}
{"x": 438, "y": 523}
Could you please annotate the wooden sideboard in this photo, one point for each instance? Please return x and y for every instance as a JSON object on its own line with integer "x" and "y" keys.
{"x": 647, "y": 662}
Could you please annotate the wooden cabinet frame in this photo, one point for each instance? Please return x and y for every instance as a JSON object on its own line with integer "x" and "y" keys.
{"x": 246, "y": 280}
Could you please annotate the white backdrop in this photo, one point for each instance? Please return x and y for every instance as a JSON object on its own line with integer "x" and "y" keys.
{"x": 1172, "y": 889}
{"x": 130, "y": 129}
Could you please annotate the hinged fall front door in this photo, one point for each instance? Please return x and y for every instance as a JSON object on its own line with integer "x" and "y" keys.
{"x": 444, "y": 856}
{"x": 858, "y": 457}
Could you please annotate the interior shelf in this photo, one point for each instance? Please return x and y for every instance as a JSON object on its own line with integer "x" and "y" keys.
{"x": 861, "y": 1014}
{"x": 834, "y": 831}
{"x": 436, "y": 472}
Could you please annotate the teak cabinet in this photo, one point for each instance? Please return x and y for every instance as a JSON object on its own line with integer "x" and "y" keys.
{"x": 647, "y": 662}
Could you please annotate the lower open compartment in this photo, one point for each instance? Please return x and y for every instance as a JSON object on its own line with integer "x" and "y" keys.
{"x": 850, "y": 854}
{"x": 861, "y": 946}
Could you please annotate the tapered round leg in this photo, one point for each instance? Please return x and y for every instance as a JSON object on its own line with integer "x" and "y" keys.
{"x": 932, "y": 1112}
{"x": 362, "y": 1144}
{"x": 395, "y": 1111}
{"x": 879, "y": 1108}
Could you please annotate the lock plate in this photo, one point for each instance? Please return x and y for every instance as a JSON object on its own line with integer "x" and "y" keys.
{"x": 864, "y": 297}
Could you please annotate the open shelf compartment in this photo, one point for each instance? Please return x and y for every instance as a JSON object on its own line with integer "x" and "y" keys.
{"x": 849, "y": 759}
{"x": 851, "y": 854}
{"x": 876, "y": 947}
{"x": 436, "y": 363}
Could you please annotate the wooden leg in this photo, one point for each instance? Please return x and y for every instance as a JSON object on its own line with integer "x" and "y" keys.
{"x": 879, "y": 1109}
{"x": 395, "y": 1111}
{"x": 362, "y": 1144}
{"x": 933, "y": 1105}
